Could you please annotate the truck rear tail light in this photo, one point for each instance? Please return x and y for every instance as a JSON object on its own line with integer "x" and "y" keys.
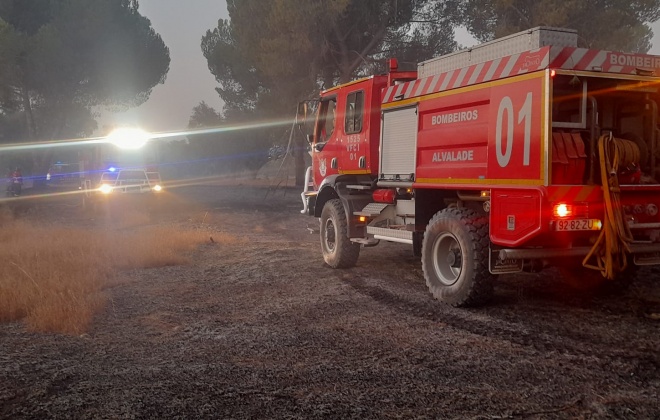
{"x": 553, "y": 73}
{"x": 570, "y": 211}
{"x": 384, "y": 196}
{"x": 562, "y": 211}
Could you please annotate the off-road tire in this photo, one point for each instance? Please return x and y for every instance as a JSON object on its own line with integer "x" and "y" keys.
{"x": 461, "y": 277}
{"x": 338, "y": 250}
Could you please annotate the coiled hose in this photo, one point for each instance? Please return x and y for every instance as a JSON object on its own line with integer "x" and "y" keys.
{"x": 613, "y": 245}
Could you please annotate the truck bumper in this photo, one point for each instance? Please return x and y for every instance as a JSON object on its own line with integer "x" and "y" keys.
{"x": 644, "y": 254}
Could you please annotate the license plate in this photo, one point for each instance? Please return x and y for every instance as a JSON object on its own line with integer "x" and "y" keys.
{"x": 498, "y": 266}
{"x": 581, "y": 224}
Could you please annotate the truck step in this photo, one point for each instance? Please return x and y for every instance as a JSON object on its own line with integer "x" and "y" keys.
{"x": 371, "y": 210}
{"x": 365, "y": 241}
{"x": 393, "y": 235}
{"x": 361, "y": 187}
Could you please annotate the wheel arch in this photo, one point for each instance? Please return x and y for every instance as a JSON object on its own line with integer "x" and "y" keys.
{"x": 428, "y": 202}
{"x": 335, "y": 187}
{"x": 326, "y": 193}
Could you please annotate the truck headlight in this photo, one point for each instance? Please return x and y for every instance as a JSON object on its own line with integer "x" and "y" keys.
{"x": 158, "y": 188}
{"x": 105, "y": 189}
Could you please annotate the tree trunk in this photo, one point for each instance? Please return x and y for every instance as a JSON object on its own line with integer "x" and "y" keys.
{"x": 29, "y": 116}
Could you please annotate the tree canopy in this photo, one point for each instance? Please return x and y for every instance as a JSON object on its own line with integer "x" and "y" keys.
{"x": 620, "y": 25}
{"x": 61, "y": 58}
{"x": 272, "y": 54}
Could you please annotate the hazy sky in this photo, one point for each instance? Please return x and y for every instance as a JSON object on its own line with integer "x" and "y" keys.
{"x": 182, "y": 25}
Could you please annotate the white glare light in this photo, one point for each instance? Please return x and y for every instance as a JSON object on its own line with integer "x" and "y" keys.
{"x": 128, "y": 138}
{"x": 562, "y": 210}
{"x": 105, "y": 189}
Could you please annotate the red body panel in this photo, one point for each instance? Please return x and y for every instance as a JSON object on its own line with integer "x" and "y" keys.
{"x": 347, "y": 149}
{"x": 453, "y": 134}
{"x": 516, "y": 215}
{"x": 515, "y": 135}
{"x": 492, "y": 133}
{"x": 354, "y": 152}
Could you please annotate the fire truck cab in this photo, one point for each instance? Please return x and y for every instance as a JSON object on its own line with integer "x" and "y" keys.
{"x": 514, "y": 155}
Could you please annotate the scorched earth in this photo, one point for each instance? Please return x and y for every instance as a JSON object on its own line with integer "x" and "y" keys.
{"x": 259, "y": 327}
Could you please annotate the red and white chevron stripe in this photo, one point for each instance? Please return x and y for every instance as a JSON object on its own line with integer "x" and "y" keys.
{"x": 571, "y": 58}
{"x": 574, "y": 193}
{"x": 567, "y": 58}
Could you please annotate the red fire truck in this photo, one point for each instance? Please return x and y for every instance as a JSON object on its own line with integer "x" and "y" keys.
{"x": 515, "y": 155}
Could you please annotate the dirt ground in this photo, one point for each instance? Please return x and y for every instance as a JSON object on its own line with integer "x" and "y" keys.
{"x": 259, "y": 327}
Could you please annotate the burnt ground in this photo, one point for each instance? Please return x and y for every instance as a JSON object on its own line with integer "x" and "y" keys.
{"x": 259, "y": 327}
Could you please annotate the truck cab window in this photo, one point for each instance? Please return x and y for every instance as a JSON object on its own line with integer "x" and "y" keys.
{"x": 326, "y": 123}
{"x": 354, "y": 107}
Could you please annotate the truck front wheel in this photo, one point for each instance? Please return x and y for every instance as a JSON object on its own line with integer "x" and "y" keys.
{"x": 338, "y": 250}
{"x": 455, "y": 257}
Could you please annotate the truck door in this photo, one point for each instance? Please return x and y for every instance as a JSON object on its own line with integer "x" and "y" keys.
{"x": 354, "y": 142}
{"x": 325, "y": 150}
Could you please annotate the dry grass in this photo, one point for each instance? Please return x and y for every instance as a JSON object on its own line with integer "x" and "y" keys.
{"x": 54, "y": 278}
{"x": 133, "y": 218}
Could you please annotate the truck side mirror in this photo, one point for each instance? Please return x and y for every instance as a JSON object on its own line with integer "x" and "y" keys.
{"x": 301, "y": 114}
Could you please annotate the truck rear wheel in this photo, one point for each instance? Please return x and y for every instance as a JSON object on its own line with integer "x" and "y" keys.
{"x": 455, "y": 258}
{"x": 338, "y": 250}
